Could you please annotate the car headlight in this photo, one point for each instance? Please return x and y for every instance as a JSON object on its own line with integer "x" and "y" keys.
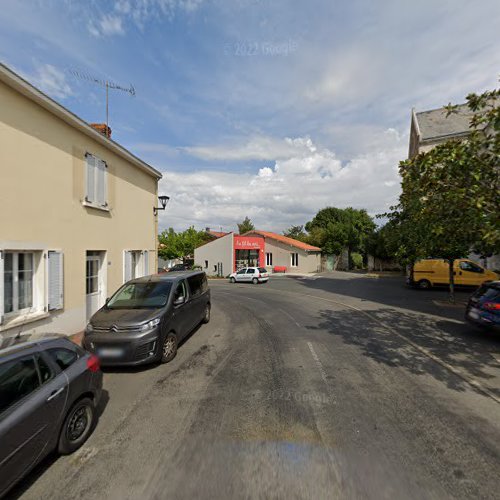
{"x": 150, "y": 325}
{"x": 89, "y": 328}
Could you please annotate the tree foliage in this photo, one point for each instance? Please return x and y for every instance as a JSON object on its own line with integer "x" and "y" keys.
{"x": 245, "y": 226}
{"x": 296, "y": 232}
{"x": 333, "y": 229}
{"x": 174, "y": 245}
{"x": 450, "y": 201}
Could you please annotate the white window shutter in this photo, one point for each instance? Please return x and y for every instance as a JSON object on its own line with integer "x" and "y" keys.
{"x": 56, "y": 291}
{"x": 2, "y": 253}
{"x": 91, "y": 177}
{"x": 127, "y": 266}
{"x": 146, "y": 262}
{"x": 101, "y": 183}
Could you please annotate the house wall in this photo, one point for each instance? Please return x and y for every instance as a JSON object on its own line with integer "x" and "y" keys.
{"x": 308, "y": 262}
{"x": 217, "y": 251}
{"x": 42, "y": 178}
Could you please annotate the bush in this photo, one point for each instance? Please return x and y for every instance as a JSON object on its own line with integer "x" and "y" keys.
{"x": 357, "y": 260}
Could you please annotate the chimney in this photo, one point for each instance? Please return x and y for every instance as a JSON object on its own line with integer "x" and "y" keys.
{"x": 101, "y": 128}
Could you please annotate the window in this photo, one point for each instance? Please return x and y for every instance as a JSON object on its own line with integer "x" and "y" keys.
{"x": 63, "y": 358}
{"x": 136, "y": 264}
{"x": 196, "y": 285}
{"x": 471, "y": 267}
{"x": 96, "y": 177}
{"x": 147, "y": 295}
{"x": 206, "y": 265}
{"x": 17, "y": 379}
{"x": 44, "y": 369}
{"x": 18, "y": 275}
{"x": 242, "y": 271}
{"x": 250, "y": 271}
{"x": 180, "y": 291}
{"x": 295, "y": 259}
{"x": 269, "y": 259}
{"x": 92, "y": 275}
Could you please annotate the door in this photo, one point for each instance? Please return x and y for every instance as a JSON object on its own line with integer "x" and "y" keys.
{"x": 32, "y": 400}
{"x": 94, "y": 279}
{"x": 330, "y": 262}
{"x": 250, "y": 274}
{"x": 468, "y": 273}
{"x": 181, "y": 316}
{"x": 241, "y": 274}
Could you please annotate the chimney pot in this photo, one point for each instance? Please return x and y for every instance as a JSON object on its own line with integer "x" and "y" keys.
{"x": 101, "y": 128}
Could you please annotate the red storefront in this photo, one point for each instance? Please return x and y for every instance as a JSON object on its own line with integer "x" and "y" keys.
{"x": 248, "y": 252}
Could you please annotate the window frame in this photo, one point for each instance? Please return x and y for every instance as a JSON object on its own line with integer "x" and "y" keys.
{"x": 294, "y": 259}
{"x": 15, "y": 283}
{"x": 92, "y": 199}
{"x": 269, "y": 258}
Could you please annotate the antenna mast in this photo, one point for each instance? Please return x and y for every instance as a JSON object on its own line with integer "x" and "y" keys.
{"x": 108, "y": 84}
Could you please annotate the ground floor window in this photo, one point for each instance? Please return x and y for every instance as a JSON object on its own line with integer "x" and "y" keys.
{"x": 136, "y": 264}
{"x": 295, "y": 259}
{"x": 269, "y": 259}
{"x": 247, "y": 258}
{"x": 18, "y": 281}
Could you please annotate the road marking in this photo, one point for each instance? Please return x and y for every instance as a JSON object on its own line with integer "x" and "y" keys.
{"x": 290, "y": 316}
{"x": 318, "y": 363}
{"x": 472, "y": 382}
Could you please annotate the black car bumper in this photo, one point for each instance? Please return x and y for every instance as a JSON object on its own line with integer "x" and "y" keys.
{"x": 121, "y": 351}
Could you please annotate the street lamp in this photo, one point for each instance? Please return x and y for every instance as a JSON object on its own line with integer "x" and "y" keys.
{"x": 163, "y": 201}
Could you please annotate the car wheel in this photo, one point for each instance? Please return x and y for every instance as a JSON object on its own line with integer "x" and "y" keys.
{"x": 255, "y": 281}
{"x": 77, "y": 426}
{"x": 169, "y": 348}
{"x": 206, "y": 317}
{"x": 424, "y": 284}
{"x": 232, "y": 280}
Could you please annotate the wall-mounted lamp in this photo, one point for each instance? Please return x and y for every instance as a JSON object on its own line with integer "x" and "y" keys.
{"x": 163, "y": 201}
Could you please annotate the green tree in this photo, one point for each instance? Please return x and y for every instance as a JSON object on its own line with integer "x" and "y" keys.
{"x": 296, "y": 232}
{"x": 449, "y": 203}
{"x": 174, "y": 245}
{"x": 333, "y": 229}
{"x": 245, "y": 226}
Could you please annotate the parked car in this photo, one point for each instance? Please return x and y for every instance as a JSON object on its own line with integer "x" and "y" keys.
{"x": 483, "y": 308}
{"x": 179, "y": 267}
{"x": 49, "y": 390}
{"x": 144, "y": 321}
{"x": 253, "y": 275}
{"x": 427, "y": 273}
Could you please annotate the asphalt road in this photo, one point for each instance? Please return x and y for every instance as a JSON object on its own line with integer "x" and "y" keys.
{"x": 339, "y": 386}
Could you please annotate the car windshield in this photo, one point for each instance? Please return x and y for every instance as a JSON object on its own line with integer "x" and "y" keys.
{"x": 146, "y": 295}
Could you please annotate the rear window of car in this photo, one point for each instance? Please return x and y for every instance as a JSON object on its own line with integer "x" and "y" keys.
{"x": 492, "y": 294}
{"x": 18, "y": 379}
{"x": 262, "y": 269}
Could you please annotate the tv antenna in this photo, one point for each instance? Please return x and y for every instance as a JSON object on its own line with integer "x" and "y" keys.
{"x": 108, "y": 84}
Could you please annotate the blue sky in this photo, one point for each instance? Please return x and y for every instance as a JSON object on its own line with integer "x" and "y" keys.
{"x": 266, "y": 108}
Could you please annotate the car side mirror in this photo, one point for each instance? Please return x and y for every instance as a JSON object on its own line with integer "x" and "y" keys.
{"x": 107, "y": 300}
{"x": 179, "y": 301}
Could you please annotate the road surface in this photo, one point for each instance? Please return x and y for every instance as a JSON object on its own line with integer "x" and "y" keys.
{"x": 338, "y": 386}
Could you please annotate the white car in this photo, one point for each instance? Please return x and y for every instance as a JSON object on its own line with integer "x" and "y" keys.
{"x": 253, "y": 275}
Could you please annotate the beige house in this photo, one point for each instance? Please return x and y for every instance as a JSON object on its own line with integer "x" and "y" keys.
{"x": 76, "y": 214}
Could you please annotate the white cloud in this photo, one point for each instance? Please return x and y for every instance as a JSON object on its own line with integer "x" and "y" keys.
{"x": 256, "y": 148}
{"x": 107, "y": 25}
{"x": 288, "y": 192}
{"x": 51, "y": 80}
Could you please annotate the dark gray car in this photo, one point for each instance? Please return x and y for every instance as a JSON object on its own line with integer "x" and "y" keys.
{"x": 49, "y": 390}
{"x": 145, "y": 320}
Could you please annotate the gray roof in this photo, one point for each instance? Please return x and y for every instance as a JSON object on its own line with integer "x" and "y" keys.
{"x": 434, "y": 124}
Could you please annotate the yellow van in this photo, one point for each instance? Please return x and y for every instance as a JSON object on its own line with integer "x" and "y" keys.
{"x": 430, "y": 272}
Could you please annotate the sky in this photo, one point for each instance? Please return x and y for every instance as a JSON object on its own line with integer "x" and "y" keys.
{"x": 271, "y": 109}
